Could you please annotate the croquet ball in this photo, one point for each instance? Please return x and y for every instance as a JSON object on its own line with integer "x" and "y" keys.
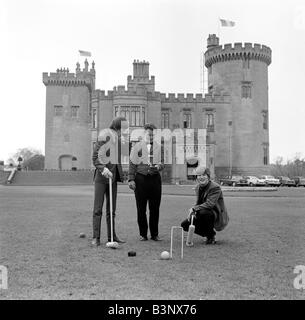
{"x": 132, "y": 254}
{"x": 82, "y": 235}
{"x": 165, "y": 255}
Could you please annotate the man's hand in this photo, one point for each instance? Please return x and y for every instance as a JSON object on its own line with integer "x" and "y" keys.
{"x": 132, "y": 185}
{"x": 158, "y": 166}
{"x": 155, "y": 167}
{"x": 107, "y": 173}
{"x": 191, "y": 212}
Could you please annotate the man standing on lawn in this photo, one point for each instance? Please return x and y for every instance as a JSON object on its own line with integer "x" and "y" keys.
{"x": 209, "y": 211}
{"x": 145, "y": 180}
{"x": 106, "y": 169}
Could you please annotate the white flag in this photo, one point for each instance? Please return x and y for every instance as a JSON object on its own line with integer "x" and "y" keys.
{"x": 227, "y": 23}
{"x": 84, "y": 53}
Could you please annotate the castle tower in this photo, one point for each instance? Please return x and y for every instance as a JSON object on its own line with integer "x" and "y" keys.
{"x": 141, "y": 77}
{"x": 68, "y": 109}
{"x": 241, "y": 71}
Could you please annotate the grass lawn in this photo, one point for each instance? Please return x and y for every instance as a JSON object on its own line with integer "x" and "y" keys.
{"x": 254, "y": 258}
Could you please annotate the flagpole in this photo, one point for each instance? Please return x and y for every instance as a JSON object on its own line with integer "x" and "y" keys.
{"x": 219, "y": 27}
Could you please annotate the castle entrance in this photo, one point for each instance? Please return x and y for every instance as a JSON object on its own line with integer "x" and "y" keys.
{"x": 65, "y": 162}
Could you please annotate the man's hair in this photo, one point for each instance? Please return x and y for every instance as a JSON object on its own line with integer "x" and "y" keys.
{"x": 203, "y": 170}
{"x": 116, "y": 123}
{"x": 149, "y": 126}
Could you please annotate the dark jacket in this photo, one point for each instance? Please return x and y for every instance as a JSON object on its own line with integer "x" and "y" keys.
{"x": 138, "y": 152}
{"x": 211, "y": 197}
{"x": 115, "y": 168}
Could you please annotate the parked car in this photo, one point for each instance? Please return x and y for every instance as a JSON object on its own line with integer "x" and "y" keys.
{"x": 254, "y": 181}
{"x": 270, "y": 181}
{"x": 233, "y": 181}
{"x": 285, "y": 181}
{"x": 299, "y": 181}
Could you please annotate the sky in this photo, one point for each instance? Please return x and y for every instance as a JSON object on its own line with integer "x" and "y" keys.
{"x": 42, "y": 35}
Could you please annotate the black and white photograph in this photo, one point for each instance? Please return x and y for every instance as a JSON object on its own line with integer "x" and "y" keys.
{"x": 152, "y": 150}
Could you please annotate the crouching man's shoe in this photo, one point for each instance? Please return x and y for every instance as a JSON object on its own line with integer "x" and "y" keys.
{"x": 95, "y": 242}
{"x": 211, "y": 240}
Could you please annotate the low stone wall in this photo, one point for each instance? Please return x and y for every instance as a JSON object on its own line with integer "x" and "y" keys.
{"x": 3, "y": 176}
{"x": 52, "y": 178}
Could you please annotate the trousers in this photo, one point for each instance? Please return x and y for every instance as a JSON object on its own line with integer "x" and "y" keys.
{"x": 204, "y": 223}
{"x": 148, "y": 191}
{"x": 101, "y": 191}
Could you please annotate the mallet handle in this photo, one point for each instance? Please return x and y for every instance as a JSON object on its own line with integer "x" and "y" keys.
{"x": 111, "y": 206}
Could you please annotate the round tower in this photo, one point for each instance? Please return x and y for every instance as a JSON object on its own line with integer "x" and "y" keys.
{"x": 242, "y": 71}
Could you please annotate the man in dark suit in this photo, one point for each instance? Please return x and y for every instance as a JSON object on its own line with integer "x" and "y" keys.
{"x": 208, "y": 208}
{"x": 106, "y": 149}
{"x": 144, "y": 178}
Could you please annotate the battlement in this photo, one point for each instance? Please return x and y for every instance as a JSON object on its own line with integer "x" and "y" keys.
{"x": 198, "y": 98}
{"x": 62, "y": 77}
{"x": 139, "y": 80}
{"x": 121, "y": 91}
{"x": 138, "y": 91}
{"x": 213, "y": 41}
{"x": 170, "y": 97}
{"x": 237, "y": 51}
{"x": 101, "y": 94}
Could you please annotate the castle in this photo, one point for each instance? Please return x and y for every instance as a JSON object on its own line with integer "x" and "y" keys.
{"x": 234, "y": 112}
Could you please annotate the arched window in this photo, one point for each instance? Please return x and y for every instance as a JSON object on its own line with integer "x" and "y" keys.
{"x": 266, "y": 151}
{"x": 165, "y": 120}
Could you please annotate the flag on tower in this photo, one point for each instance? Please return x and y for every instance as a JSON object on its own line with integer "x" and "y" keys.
{"x": 227, "y": 23}
{"x": 84, "y": 53}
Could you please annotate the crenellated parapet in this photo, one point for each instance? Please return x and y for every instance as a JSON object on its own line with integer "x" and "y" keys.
{"x": 120, "y": 91}
{"x": 102, "y": 95}
{"x": 62, "y": 77}
{"x": 197, "y": 98}
{"x": 137, "y": 91}
{"x": 237, "y": 51}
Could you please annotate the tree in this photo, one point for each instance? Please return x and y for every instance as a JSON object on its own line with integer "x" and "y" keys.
{"x": 293, "y": 168}
{"x": 36, "y": 162}
{"x": 32, "y": 159}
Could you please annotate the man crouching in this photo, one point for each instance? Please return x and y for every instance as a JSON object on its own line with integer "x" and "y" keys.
{"x": 209, "y": 212}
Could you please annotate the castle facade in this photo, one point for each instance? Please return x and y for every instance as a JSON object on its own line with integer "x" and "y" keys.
{"x": 234, "y": 112}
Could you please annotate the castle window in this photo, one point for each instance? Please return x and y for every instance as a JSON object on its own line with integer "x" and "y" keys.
{"x": 210, "y": 122}
{"x": 135, "y": 117}
{"x": 116, "y": 112}
{"x": 132, "y": 114}
{"x": 265, "y": 119}
{"x": 94, "y": 118}
{"x": 165, "y": 120}
{"x": 246, "y": 63}
{"x": 143, "y": 116}
{"x": 66, "y": 138}
{"x": 187, "y": 120}
{"x": 74, "y": 111}
{"x": 58, "y": 111}
{"x": 124, "y": 112}
{"x": 246, "y": 90}
{"x": 265, "y": 158}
